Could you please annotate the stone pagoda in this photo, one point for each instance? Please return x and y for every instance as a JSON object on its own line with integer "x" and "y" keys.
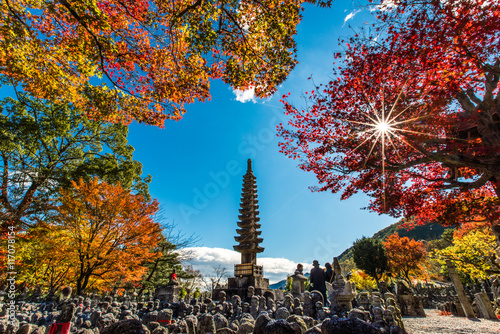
{"x": 248, "y": 238}
{"x": 248, "y": 273}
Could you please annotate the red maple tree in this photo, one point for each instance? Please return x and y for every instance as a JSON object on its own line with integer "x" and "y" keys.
{"x": 405, "y": 256}
{"x": 412, "y": 117}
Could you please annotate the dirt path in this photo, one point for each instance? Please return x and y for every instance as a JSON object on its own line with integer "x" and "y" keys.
{"x": 438, "y": 324}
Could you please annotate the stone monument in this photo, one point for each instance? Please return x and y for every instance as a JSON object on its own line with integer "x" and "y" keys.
{"x": 459, "y": 288}
{"x": 410, "y": 304}
{"x": 248, "y": 273}
{"x": 298, "y": 282}
{"x": 341, "y": 291}
{"x": 169, "y": 293}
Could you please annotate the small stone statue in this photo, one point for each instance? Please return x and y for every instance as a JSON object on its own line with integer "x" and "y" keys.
{"x": 309, "y": 309}
{"x": 288, "y": 303}
{"x": 250, "y": 293}
{"x": 254, "y": 306}
{"x": 173, "y": 278}
{"x": 320, "y": 312}
{"x": 262, "y": 304}
{"x": 271, "y": 307}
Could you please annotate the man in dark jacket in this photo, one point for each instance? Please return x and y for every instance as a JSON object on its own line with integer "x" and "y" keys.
{"x": 317, "y": 280}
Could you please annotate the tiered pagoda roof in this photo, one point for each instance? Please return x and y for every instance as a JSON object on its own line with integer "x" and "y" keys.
{"x": 248, "y": 237}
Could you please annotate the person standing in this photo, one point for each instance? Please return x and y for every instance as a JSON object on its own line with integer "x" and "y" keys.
{"x": 317, "y": 280}
{"x": 299, "y": 269}
{"x": 329, "y": 273}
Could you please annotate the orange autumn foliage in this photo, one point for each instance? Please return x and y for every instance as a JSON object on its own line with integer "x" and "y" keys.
{"x": 107, "y": 232}
{"x": 144, "y": 60}
{"x": 467, "y": 227}
{"x": 404, "y": 256}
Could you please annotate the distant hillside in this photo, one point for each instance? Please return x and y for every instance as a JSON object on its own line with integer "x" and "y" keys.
{"x": 280, "y": 285}
{"x": 423, "y": 232}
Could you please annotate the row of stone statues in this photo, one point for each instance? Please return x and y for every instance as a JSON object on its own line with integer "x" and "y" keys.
{"x": 252, "y": 314}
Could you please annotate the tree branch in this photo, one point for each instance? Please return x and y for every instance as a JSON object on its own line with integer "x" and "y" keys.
{"x": 188, "y": 8}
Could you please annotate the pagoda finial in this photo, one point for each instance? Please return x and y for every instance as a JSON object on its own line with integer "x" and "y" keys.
{"x": 249, "y": 165}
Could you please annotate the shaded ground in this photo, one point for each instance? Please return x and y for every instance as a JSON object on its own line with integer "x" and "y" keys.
{"x": 439, "y": 324}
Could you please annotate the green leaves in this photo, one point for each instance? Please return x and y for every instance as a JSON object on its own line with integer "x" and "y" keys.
{"x": 144, "y": 60}
{"x": 369, "y": 255}
{"x": 46, "y": 145}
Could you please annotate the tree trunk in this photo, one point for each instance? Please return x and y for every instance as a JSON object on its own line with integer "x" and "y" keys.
{"x": 79, "y": 285}
{"x": 153, "y": 270}
{"x": 82, "y": 282}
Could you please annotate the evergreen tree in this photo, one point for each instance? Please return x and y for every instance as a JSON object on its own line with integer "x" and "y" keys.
{"x": 370, "y": 256}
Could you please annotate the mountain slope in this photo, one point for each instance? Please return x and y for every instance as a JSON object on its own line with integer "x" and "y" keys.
{"x": 422, "y": 232}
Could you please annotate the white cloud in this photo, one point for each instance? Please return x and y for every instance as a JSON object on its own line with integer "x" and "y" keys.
{"x": 386, "y": 5}
{"x": 351, "y": 15}
{"x": 244, "y": 96}
{"x": 205, "y": 259}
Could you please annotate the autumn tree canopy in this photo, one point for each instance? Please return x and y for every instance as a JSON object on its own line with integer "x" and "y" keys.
{"x": 473, "y": 253}
{"x": 106, "y": 232}
{"x": 145, "y": 59}
{"x": 405, "y": 256}
{"x": 44, "y": 146}
{"x": 412, "y": 115}
{"x": 42, "y": 256}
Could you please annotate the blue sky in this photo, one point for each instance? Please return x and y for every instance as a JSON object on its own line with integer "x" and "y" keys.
{"x": 198, "y": 163}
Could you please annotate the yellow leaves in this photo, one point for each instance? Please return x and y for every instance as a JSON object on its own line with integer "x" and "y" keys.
{"x": 471, "y": 253}
{"x": 44, "y": 255}
{"x": 160, "y": 54}
{"x": 363, "y": 281}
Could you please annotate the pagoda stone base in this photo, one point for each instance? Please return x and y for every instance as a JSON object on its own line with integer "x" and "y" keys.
{"x": 239, "y": 286}
{"x": 168, "y": 293}
{"x": 258, "y": 282}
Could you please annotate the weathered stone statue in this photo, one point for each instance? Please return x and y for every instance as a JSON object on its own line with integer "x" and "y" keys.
{"x": 410, "y": 305}
{"x": 363, "y": 300}
{"x": 298, "y": 281}
{"x": 288, "y": 302}
{"x": 271, "y": 307}
{"x": 254, "y": 306}
{"x": 382, "y": 286}
{"x": 299, "y": 270}
{"x": 309, "y": 309}
{"x": 341, "y": 292}
{"x": 170, "y": 292}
